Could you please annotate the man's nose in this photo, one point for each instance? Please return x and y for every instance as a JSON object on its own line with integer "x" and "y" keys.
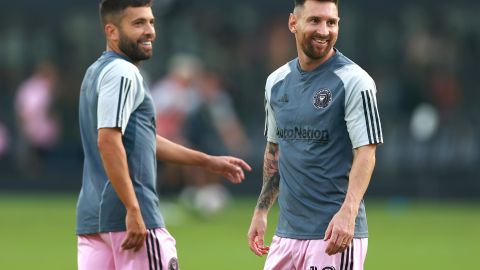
{"x": 150, "y": 30}
{"x": 322, "y": 29}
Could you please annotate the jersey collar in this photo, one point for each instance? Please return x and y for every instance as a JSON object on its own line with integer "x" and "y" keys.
{"x": 320, "y": 68}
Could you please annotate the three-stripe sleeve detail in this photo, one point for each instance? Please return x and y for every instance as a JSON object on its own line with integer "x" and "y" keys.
{"x": 265, "y": 131}
{"x": 125, "y": 86}
{"x": 372, "y": 118}
{"x": 153, "y": 251}
{"x": 370, "y": 114}
{"x": 120, "y": 100}
{"x": 377, "y": 119}
{"x": 128, "y": 86}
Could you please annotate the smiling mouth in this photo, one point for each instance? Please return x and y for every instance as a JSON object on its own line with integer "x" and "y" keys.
{"x": 146, "y": 44}
{"x": 320, "y": 41}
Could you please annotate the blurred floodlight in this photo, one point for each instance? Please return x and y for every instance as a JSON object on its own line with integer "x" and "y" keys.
{"x": 424, "y": 122}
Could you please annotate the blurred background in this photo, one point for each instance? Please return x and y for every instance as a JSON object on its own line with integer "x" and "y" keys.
{"x": 207, "y": 78}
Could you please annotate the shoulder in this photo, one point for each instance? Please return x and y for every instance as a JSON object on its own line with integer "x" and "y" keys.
{"x": 119, "y": 73}
{"x": 278, "y": 75}
{"x": 352, "y": 74}
{"x": 120, "y": 67}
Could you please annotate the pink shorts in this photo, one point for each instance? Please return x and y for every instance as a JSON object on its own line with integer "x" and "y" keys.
{"x": 289, "y": 254}
{"x": 103, "y": 251}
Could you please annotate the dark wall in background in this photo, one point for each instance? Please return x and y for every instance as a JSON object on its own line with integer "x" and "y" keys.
{"x": 422, "y": 54}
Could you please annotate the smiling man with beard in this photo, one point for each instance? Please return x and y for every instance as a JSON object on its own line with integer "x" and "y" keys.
{"x": 119, "y": 224}
{"x": 320, "y": 184}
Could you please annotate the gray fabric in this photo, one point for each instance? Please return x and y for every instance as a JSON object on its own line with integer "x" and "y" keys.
{"x": 314, "y": 117}
{"x": 98, "y": 208}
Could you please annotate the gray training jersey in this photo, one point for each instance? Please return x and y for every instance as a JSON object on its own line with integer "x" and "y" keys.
{"x": 114, "y": 95}
{"x": 316, "y": 118}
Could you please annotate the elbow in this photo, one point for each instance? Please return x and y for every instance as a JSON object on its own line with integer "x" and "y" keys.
{"x": 101, "y": 144}
{"x": 104, "y": 142}
{"x": 372, "y": 157}
{"x": 109, "y": 141}
{"x": 371, "y": 154}
{"x": 366, "y": 153}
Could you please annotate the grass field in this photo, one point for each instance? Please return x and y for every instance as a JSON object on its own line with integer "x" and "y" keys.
{"x": 37, "y": 232}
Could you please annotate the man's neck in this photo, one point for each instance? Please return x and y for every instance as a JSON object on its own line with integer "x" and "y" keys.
{"x": 308, "y": 64}
{"x": 113, "y": 48}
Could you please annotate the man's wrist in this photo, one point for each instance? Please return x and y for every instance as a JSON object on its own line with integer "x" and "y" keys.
{"x": 351, "y": 205}
{"x": 204, "y": 160}
{"x": 260, "y": 212}
{"x": 133, "y": 208}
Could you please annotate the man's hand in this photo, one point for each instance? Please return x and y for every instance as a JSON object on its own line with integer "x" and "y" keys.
{"x": 256, "y": 233}
{"x": 229, "y": 167}
{"x": 136, "y": 230}
{"x": 340, "y": 231}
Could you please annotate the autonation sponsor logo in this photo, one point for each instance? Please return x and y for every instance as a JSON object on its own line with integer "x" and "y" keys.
{"x": 299, "y": 133}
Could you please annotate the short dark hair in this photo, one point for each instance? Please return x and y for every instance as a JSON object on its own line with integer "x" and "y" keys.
{"x": 110, "y": 9}
{"x": 302, "y": 2}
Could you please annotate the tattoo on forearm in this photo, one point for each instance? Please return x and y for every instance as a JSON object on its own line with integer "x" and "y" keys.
{"x": 271, "y": 177}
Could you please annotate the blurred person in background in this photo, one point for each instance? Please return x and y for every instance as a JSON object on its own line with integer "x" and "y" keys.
{"x": 119, "y": 224}
{"x": 213, "y": 127}
{"x": 322, "y": 129}
{"x": 175, "y": 97}
{"x": 38, "y": 124}
{"x": 4, "y": 140}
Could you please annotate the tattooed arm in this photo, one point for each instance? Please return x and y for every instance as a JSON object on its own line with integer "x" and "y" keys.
{"x": 271, "y": 178}
{"x": 270, "y": 189}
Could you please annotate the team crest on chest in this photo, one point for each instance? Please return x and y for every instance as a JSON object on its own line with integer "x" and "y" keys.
{"x": 322, "y": 98}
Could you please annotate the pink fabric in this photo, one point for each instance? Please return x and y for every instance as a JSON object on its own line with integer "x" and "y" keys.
{"x": 292, "y": 254}
{"x": 33, "y": 103}
{"x": 103, "y": 252}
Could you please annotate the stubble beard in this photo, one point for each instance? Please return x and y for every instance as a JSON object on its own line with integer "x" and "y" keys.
{"x": 310, "y": 50}
{"x": 314, "y": 54}
{"x": 132, "y": 49}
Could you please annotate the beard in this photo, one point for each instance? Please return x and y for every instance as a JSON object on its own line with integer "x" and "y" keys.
{"x": 310, "y": 50}
{"x": 132, "y": 49}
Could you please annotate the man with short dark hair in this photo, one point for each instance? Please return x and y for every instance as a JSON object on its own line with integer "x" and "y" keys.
{"x": 119, "y": 224}
{"x": 319, "y": 107}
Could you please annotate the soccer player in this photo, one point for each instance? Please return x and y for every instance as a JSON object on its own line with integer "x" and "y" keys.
{"x": 119, "y": 224}
{"x": 322, "y": 129}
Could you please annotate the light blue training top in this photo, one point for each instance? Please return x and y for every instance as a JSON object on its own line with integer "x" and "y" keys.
{"x": 114, "y": 95}
{"x": 316, "y": 118}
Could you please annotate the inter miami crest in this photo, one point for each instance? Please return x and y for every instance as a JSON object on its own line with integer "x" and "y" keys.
{"x": 173, "y": 264}
{"x": 322, "y": 98}
{"x": 325, "y": 268}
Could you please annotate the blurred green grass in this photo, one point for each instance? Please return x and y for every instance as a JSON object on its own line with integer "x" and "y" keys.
{"x": 37, "y": 232}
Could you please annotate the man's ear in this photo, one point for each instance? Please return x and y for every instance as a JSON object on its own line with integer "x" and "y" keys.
{"x": 111, "y": 32}
{"x": 292, "y": 23}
